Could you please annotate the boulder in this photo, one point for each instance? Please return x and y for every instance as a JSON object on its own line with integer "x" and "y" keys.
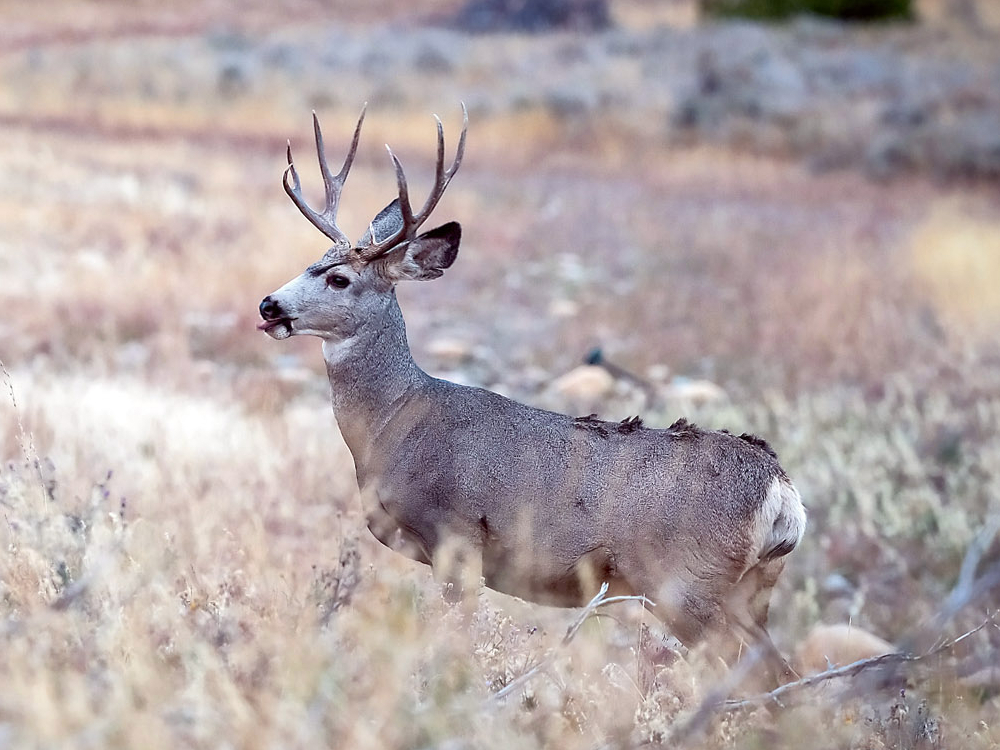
{"x": 586, "y": 384}
{"x": 695, "y": 392}
{"x": 837, "y": 645}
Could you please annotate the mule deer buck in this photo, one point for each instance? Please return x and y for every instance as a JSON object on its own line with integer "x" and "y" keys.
{"x": 541, "y": 505}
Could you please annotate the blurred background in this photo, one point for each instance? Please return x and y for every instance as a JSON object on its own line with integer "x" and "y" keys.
{"x": 777, "y": 216}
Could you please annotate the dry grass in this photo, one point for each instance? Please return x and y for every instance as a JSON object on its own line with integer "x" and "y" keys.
{"x": 182, "y": 561}
{"x": 956, "y": 257}
{"x": 179, "y": 569}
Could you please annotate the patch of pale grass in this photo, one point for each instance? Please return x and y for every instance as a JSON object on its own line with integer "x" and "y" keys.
{"x": 172, "y": 577}
{"x": 955, "y": 256}
{"x": 646, "y": 14}
{"x": 178, "y": 569}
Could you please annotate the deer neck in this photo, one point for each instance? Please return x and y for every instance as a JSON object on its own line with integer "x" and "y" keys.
{"x": 372, "y": 378}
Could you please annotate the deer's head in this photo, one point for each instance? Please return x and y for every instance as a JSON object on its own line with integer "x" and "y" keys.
{"x": 334, "y": 297}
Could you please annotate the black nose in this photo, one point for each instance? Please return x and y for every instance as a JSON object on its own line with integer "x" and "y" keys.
{"x": 269, "y": 309}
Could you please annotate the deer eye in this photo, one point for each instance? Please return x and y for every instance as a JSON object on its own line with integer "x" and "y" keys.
{"x": 338, "y": 281}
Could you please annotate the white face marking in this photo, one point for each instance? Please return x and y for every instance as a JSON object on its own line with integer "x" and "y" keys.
{"x": 314, "y": 308}
{"x": 280, "y": 331}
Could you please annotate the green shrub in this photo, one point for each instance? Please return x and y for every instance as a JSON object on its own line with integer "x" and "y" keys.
{"x": 848, "y": 10}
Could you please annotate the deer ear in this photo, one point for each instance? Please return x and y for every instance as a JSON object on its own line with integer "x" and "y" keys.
{"x": 425, "y": 257}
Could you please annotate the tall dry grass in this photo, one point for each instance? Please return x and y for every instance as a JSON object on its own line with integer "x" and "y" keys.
{"x": 182, "y": 570}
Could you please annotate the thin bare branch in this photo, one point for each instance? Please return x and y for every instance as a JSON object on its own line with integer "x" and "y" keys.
{"x": 850, "y": 670}
{"x": 586, "y": 613}
{"x": 599, "y": 600}
{"x": 967, "y": 590}
{"x": 715, "y": 697}
{"x": 517, "y": 682}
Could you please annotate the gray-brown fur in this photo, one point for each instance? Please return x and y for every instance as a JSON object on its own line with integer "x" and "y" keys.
{"x": 543, "y": 505}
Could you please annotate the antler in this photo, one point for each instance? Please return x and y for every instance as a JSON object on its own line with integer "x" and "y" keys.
{"x": 411, "y": 221}
{"x": 326, "y": 222}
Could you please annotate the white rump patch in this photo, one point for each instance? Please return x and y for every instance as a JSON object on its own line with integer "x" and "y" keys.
{"x": 780, "y": 522}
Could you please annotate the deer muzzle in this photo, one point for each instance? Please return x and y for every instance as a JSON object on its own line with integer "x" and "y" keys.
{"x": 276, "y": 323}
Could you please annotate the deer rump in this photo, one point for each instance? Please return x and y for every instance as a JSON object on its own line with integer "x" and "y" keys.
{"x": 552, "y": 506}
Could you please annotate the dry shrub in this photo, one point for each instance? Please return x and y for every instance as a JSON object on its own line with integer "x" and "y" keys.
{"x": 194, "y": 595}
{"x": 209, "y": 589}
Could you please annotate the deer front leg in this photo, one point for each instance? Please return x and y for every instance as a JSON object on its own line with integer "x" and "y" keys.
{"x": 457, "y": 566}
{"x": 384, "y": 528}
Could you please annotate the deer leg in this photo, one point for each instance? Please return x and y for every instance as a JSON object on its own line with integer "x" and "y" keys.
{"x": 688, "y": 609}
{"x": 384, "y": 528}
{"x": 746, "y": 612}
{"x": 457, "y": 565}
{"x": 724, "y": 628}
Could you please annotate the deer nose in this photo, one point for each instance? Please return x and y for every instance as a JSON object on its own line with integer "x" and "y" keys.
{"x": 269, "y": 309}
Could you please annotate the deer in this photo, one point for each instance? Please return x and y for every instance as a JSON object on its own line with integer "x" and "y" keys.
{"x": 535, "y": 504}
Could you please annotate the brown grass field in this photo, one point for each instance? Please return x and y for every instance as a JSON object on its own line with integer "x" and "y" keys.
{"x": 183, "y": 561}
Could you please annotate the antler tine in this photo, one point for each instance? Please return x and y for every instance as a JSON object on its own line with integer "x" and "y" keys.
{"x": 460, "y": 151}
{"x": 334, "y": 184}
{"x": 439, "y": 167}
{"x": 442, "y": 177}
{"x": 404, "y": 193}
{"x": 326, "y": 221}
{"x": 290, "y": 169}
